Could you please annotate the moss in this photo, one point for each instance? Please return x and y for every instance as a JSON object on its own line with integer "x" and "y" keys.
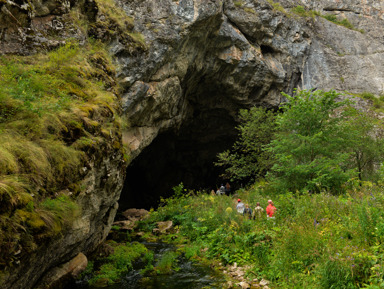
{"x": 238, "y": 3}
{"x": 302, "y": 12}
{"x": 31, "y": 219}
{"x": 116, "y": 24}
{"x": 54, "y": 109}
{"x": 277, "y": 6}
{"x": 250, "y": 10}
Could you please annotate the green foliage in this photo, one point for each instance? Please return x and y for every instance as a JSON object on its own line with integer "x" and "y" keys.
{"x": 310, "y": 147}
{"x": 148, "y": 260}
{"x": 316, "y": 143}
{"x": 49, "y": 104}
{"x": 302, "y": 12}
{"x": 167, "y": 263}
{"x": 58, "y": 212}
{"x": 277, "y": 6}
{"x": 118, "y": 263}
{"x": 377, "y": 101}
{"x": 344, "y": 22}
{"x": 366, "y": 143}
{"x": 316, "y": 241}
{"x": 247, "y": 160}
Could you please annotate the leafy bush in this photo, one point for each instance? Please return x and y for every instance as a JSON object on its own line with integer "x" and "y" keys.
{"x": 118, "y": 263}
{"x": 311, "y": 144}
{"x": 167, "y": 263}
{"x": 247, "y": 160}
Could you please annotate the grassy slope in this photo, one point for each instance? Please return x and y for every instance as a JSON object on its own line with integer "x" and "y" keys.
{"x": 55, "y": 110}
{"x": 319, "y": 241}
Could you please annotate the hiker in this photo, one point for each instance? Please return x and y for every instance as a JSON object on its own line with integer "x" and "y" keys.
{"x": 222, "y": 189}
{"x": 213, "y": 193}
{"x": 218, "y": 192}
{"x": 247, "y": 212}
{"x": 271, "y": 209}
{"x": 240, "y": 206}
{"x": 258, "y": 211}
{"x": 227, "y": 189}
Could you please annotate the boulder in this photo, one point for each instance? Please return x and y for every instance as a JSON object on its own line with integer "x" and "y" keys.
{"x": 70, "y": 270}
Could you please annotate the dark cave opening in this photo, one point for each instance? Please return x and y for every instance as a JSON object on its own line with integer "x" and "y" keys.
{"x": 186, "y": 156}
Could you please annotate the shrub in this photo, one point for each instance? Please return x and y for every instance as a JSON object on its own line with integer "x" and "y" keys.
{"x": 118, "y": 263}
{"x": 167, "y": 263}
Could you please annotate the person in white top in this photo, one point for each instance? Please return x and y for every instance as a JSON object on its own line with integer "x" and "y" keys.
{"x": 240, "y": 206}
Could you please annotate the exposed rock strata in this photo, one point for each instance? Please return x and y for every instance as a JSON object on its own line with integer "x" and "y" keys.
{"x": 224, "y": 55}
{"x": 208, "y": 59}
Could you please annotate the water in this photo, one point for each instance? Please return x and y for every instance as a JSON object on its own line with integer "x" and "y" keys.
{"x": 189, "y": 275}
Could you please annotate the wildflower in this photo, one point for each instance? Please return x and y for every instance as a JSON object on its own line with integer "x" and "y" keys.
{"x": 228, "y": 210}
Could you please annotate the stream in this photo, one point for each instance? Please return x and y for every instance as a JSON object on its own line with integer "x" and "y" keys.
{"x": 188, "y": 276}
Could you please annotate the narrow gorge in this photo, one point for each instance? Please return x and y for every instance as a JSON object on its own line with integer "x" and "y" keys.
{"x": 182, "y": 70}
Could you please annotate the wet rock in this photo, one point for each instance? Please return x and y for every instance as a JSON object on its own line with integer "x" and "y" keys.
{"x": 264, "y": 282}
{"x": 135, "y": 214}
{"x": 163, "y": 227}
{"x": 65, "y": 272}
{"x": 125, "y": 225}
{"x": 244, "y": 285}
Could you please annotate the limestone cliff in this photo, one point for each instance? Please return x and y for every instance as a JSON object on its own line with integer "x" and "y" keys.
{"x": 186, "y": 67}
{"x": 218, "y": 56}
{"x": 207, "y": 59}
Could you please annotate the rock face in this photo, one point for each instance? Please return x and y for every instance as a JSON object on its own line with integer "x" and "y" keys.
{"x": 26, "y": 27}
{"x": 99, "y": 205}
{"x": 203, "y": 61}
{"x": 208, "y": 59}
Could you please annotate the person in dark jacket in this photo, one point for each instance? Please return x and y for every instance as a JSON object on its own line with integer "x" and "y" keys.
{"x": 247, "y": 211}
{"x": 227, "y": 189}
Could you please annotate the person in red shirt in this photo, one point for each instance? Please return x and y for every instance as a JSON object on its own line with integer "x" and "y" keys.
{"x": 271, "y": 209}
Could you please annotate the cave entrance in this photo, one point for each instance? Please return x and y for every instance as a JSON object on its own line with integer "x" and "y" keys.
{"x": 186, "y": 155}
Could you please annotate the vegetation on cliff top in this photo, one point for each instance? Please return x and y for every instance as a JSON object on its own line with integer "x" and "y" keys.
{"x": 54, "y": 109}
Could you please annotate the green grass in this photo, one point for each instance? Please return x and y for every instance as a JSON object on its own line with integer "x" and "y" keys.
{"x": 377, "y": 101}
{"x": 343, "y": 22}
{"x": 316, "y": 241}
{"x": 55, "y": 110}
{"x": 118, "y": 263}
{"x": 302, "y": 12}
{"x": 167, "y": 263}
{"x": 277, "y": 6}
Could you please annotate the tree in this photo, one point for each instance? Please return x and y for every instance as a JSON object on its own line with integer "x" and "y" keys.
{"x": 311, "y": 146}
{"x": 366, "y": 142}
{"x": 247, "y": 160}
